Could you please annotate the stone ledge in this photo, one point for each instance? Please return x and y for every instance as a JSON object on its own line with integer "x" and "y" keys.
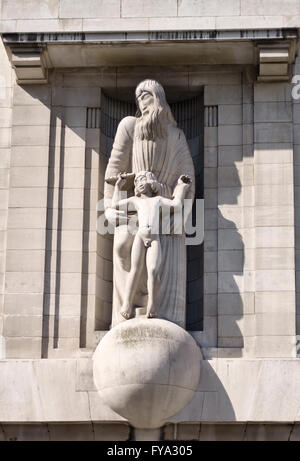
{"x": 230, "y": 390}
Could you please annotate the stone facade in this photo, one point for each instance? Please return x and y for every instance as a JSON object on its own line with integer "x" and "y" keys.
{"x": 56, "y": 272}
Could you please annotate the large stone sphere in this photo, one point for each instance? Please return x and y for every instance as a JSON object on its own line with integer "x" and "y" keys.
{"x": 147, "y": 370}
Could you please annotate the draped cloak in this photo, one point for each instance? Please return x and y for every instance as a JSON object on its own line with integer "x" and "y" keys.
{"x": 167, "y": 158}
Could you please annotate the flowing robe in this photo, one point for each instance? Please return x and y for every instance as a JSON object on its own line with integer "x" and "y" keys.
{"x": 167, "y": 158}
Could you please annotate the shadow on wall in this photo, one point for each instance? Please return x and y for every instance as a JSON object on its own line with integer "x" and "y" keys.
{"x": 231, "y": 259}
{"x": 210, "y": 402}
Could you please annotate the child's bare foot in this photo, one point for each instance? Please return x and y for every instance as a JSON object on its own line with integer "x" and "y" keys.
{"x": 151, "y": 313}
{"x": 126, "y": 312}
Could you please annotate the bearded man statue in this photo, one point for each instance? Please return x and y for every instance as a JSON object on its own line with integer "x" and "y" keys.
{"x": 151, "y": 141}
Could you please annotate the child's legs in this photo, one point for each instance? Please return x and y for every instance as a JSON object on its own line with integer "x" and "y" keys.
{"x": 137, "y": 263}
{"x": 153, "y": 262}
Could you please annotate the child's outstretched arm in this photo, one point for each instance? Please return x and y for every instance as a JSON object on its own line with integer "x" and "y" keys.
{"x": 117, "y": 200}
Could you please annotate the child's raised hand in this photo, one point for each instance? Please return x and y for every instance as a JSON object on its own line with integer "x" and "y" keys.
{"x": 121, "y": 179}
{"x": 184, "y": 179}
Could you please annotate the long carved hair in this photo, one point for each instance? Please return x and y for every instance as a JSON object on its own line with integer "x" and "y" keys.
{"x": 153, "y": 124}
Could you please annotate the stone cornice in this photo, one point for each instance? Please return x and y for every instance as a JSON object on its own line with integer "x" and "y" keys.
{"x": 270, "y": 51}
{"x": 153, "y": 36}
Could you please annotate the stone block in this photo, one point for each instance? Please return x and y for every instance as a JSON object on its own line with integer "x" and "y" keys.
{"x": 26, "y": 218}
{"x": 210, "y": 157}
{"x": 154, "y": 8}
{"x": 26, "y": 432}
{"x": 235, "y": 304}
{"x": 72, "y": 177}
{"x": 71, "y": 97}
{"x": 295, "y": 433}
{"x": 248, "y": 115}
{"x": 90, "y": 9}
{"x": 74, "y": 157}
{"x": 24, "y": 156}
{"x": 274, "y": 216}
{"x": 188, "y": 431}
{"x": 222, "y": 94}
{"x": 3, "y": 220}
{"x": 230, "y": 135}
{"x": 31, "y": 95}
{"x": 273, "y": 133}
{"x": 27, "y": 304}
{"x": 275, "y": 323}
{"x": 5, "y": 137}
{"x": 70, "y": 240}
{"x": 210, "y": 136}
{"x": 229, "y": 327}
{"x": 248, "y": 134}
{"x": 210, "y": 263}
{"x": 69, "y": 305}
{"x": 274, "y": 258}
{"x": 213, "y": 8}
{"x": 25, "y": 239}
{"x": 274, "y": 174}
{"x": 273, "y": 111}
{"x": 273, "y": 302}
{"x": 275, "y": 280}
{"x": 211, "y": 241}
{"x": 71, "y": 432}
{"x": 180, "y": 23}
{"x": 230, "y": 196}
{"x": 231, "y": 260}
{"x": 274, "y": 195}
{"x": 274, "y": 237}
{"x": 210, "y": 283}
{"x": 229, "y": 239}
{"x": 229, "y": 155}
{"x": 210, "y": 219}
{"x": 24, "y": 135}
{"x": 25, "y": 260}
{"x": 272, "y": 92}
{"x": 210, "y": 198}
{"x": 230, "y": 114}
{"x": 262, "y": 8}
{"x": 230, "y": 176}
{"x": 17, "y": 9}
{"x": 34, "y": 115}
{"x": 222, "y": 432}
{"x": 111, "y": 432}
{"x": 210, "y": 177}
{"x": 5, "y": 117}
{"x": 24, "y": 282}
{"x": 23, "y": 326}
{"x": 28, "y": 197}
{"x": 47, "y": 25}
{"x": 5, "y": 100}
{"x": 23, "y": 348}
{"x": 268, "y": 432}
{"x": 4, "y": 178}
{"x": 70, "y": 284}
{"x": 119, "y": 24}
{"x": 68, "y": 327}
{"x": 268, "y": 153}
{"x": 231, "y": 217}
{"x": 73, "y": 198}
{"x": 4, "y": 158}
{"x": 28, "y": 176}
{"x": 71, "y": 219}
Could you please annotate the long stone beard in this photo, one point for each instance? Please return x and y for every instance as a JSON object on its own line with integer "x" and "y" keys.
{"x": 151, "y": 125}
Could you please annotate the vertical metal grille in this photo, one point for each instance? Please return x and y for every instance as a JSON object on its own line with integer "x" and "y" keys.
{"x": 210, "y": 116}
{"x": 93, "y": 117}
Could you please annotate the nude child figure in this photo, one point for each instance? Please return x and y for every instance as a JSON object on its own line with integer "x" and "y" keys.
{"x": 146, "y": 246}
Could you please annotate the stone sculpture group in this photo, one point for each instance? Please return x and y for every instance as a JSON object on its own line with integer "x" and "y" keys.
{"x": 154, "y": 150}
